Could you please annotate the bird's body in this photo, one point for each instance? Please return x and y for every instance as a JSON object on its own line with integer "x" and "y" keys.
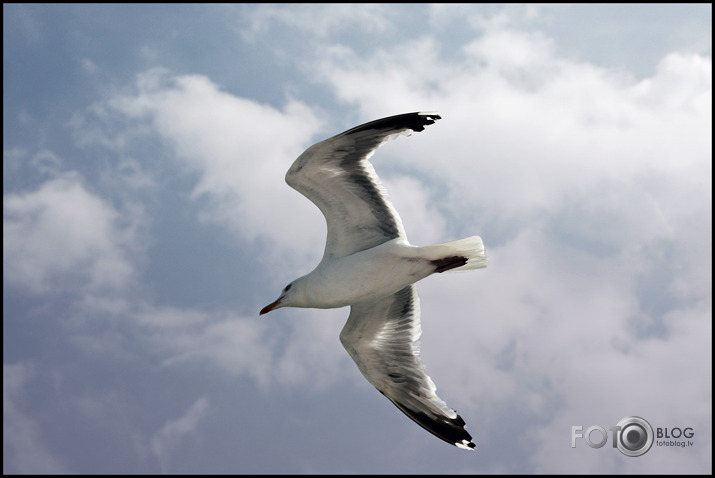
{"x": 408, "y": 264}
{"x": 358, "y": 270}
{"x": 369, "y": 265}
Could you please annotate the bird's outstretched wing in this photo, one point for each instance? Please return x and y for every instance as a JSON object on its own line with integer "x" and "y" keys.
{"x": 380, "y": 335}
{"x": 336, "y": 175}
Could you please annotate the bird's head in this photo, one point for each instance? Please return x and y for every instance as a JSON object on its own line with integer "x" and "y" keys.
{"x": 283, "y": 300}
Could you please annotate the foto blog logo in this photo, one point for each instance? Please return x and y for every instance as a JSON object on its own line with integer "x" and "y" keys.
{"x": 633, "y": 436}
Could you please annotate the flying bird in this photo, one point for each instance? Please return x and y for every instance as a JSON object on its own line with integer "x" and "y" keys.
{"x": 369, "y": 265}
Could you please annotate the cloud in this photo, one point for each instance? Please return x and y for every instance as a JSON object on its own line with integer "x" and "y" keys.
{"x": 533, "y": 141}
{"x": 62, "y": 237}
{"x": 24, "y": 450}
{"x": 316, "y": 21}
{"x": 271, "y": 352}
{"x": 425, "y": 224}
{"x": 181, "y": 337}
{"x": 175, "y": 431}
{"x": 239, "y": 150}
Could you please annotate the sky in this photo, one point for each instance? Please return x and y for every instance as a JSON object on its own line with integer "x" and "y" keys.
{"x": 146, "y": 221}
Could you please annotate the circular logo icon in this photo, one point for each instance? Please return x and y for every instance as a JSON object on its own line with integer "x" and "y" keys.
{"x": 635, "y": 436}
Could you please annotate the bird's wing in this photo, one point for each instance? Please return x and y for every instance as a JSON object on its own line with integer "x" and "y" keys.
{"x": 380, "y": 335}
{"x": 336, "y": 175}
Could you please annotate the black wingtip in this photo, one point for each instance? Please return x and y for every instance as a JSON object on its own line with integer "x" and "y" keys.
{"x": 413, "y": 121}
{"x": 467, "y": 446}
{"x": 451, "y": 430}
{"x": 429, "y": 117}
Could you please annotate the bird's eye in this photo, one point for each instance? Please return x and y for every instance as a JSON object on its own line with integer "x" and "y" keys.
{"x": 287, "y": 288}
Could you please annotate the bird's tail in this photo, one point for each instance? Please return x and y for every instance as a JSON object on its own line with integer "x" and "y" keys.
{"x": 462, "y": 255}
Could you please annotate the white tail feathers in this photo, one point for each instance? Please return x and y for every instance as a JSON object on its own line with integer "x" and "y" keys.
{"x": 471, "y": 248}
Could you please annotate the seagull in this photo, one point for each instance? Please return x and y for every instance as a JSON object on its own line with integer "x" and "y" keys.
{"x": 369, "y": 265}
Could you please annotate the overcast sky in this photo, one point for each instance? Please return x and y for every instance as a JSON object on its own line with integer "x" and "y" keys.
{"x": 146, "y": 221}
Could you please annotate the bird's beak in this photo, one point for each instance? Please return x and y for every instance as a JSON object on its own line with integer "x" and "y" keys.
{"x": 270, "y": 307}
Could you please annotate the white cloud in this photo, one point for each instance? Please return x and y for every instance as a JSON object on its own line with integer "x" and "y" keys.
{"x": 61, "y": 237}
{"x": 169, "y": 438}
{"x": 524, "y": 139}
{"x": 47, "y": 162}
{"x": 88, "y": 65}
{"x": 133, "y": 175}
{"x": 268, "y": 350}
{"x": 24, "y": 450}
{"x": 316, "y": 20}
{"x": 239, "y": 149}
{"x": 423, "y": 223}
{"x": 312, "y": 358}
{"x": 235, "y": 345}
